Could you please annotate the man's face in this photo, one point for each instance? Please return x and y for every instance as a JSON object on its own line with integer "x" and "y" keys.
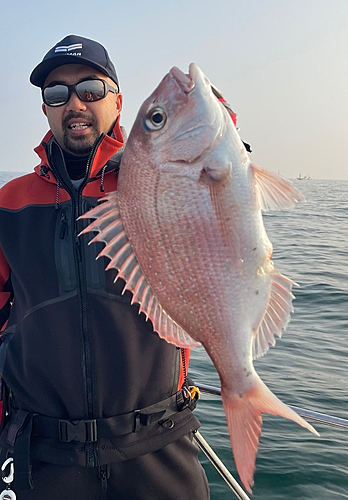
{"x": 77, "y": 125}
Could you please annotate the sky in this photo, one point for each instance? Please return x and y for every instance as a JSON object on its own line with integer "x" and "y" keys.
{"x": 282, "y": 65}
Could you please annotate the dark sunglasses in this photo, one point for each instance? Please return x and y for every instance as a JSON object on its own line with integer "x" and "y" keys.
{"x": 87, "y": 91}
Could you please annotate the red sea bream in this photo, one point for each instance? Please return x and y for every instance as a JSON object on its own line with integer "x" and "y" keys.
{"x": 185, "y": 232}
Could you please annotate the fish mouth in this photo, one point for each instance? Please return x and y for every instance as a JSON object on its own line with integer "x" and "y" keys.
{"x": 185, "y": 81}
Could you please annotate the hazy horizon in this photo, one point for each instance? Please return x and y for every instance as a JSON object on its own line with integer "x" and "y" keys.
{"x": 282, "y": 65}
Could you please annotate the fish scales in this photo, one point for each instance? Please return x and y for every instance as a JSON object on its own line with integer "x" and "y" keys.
{"x": 190, "y": 203}
{"x": 177, "y": 235}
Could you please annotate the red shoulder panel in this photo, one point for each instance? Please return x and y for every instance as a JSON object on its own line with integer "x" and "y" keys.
{"x": 29, "y": 190}
{"x": 107, "y": 149}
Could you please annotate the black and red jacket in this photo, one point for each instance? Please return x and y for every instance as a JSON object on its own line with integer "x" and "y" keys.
{"x": 72, "y": 346}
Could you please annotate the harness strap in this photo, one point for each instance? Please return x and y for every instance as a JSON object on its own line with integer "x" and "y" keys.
{"x": 22, "y": 454}
{"x": 90, "y": 430}
{"x": 24, "y": 424}
{"x": 18, "y": 439}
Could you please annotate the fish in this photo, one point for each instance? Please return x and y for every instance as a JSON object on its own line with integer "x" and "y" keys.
{"x": 185, "y": 232}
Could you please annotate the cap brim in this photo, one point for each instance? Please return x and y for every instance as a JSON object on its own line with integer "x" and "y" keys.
{"x": 42, "y": 70}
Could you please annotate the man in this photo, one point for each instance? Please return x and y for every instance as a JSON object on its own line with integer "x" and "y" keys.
{"x": 94, "y": 397}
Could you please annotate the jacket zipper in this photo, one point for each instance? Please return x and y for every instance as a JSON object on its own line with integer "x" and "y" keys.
{"x": 77, "y": 210}
{"x": 90, "y": 447}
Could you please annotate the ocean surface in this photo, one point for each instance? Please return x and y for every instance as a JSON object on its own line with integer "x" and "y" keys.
{"x": 308, "y": 366}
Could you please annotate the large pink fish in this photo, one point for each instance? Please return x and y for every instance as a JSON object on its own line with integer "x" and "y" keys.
{"x": 185, "y": 232}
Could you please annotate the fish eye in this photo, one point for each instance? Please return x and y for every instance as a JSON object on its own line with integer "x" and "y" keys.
{"x": 156, "y": 119}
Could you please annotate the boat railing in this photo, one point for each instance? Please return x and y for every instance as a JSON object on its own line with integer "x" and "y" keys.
{"x": 311, "y": 415}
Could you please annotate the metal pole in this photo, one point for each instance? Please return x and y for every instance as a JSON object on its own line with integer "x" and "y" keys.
{"x": 312, "y": 415}
{"x": 220, "y": 467}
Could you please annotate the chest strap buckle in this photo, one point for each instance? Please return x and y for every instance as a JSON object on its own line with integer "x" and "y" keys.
{"x": 84, "y": 431}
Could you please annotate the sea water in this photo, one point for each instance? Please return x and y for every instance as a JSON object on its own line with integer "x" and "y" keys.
{"x": 308, "y": 366}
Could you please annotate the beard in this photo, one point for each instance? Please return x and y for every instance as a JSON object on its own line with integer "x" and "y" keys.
{"x": 79, "y": 145}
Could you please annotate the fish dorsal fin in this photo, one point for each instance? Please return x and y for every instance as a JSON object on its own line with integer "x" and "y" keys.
{"x": 277, "y": 314}
{"x": 275, "y": 192}
{"x": 118, "y": 249}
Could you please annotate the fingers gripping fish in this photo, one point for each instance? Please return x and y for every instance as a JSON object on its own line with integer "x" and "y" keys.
{"x": 185, "y": 232}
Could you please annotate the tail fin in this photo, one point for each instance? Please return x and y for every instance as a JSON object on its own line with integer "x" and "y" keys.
{"x": 244, "y": 418}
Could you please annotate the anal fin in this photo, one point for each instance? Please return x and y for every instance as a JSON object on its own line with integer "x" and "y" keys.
{"x": 277, "y": 314}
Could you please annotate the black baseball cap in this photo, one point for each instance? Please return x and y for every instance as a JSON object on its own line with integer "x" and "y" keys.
{"x": 74, "y": 49}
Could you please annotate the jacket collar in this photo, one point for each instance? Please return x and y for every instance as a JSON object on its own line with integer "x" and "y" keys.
{"x": 108, "y": 153}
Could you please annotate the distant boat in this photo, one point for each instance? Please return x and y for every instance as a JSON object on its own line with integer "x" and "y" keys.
{"x": 305, "y": 178}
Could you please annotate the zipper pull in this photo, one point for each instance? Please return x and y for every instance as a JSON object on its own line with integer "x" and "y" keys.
{"x": 63, "y": 225}
{"x": 78, "y": 248}
{"x": 104, "y": 474}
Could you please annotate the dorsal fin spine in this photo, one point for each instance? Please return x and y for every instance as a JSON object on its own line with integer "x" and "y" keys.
{"x": 118, "y": 260}
{"x": 122, "y": 257}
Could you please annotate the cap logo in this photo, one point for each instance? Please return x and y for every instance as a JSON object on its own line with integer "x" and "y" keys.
{"x": 68, "y": 48}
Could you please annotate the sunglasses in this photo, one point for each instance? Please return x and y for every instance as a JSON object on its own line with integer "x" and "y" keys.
{"x": 87, "y": 91}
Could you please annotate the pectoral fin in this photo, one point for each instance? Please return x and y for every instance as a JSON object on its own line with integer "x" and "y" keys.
{"x": 274, "y": 192}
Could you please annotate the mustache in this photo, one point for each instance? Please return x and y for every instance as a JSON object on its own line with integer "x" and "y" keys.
{"x": 88, "y": 118}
